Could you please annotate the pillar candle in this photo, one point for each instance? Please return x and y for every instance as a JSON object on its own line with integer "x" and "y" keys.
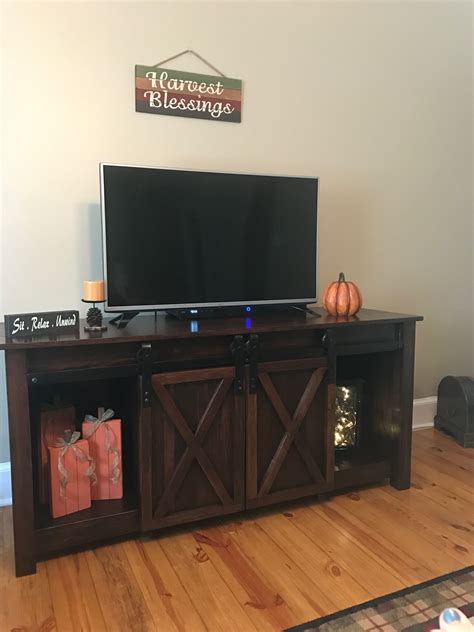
{"x": 94, "y": 291}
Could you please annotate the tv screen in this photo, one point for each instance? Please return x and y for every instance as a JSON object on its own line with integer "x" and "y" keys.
{"x": 176, "y": 239}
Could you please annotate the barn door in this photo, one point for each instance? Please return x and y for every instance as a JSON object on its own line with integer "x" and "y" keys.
{"x": 290, "y": 431}
{"x": 196, "y": 446}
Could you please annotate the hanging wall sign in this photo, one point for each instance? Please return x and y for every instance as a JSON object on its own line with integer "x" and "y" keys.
{"x": 160, "y": 90}
{"x": 41, "y": 324}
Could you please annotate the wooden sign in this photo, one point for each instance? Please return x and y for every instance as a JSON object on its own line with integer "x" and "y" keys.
{"x": 178, "y": 93}
{"x": 41, "y": 324}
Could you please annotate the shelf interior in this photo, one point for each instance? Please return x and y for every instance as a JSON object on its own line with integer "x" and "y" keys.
{"x": 100, "y": 509}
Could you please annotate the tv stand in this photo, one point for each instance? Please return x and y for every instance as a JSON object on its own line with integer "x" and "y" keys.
{"x": 218, "y": 417}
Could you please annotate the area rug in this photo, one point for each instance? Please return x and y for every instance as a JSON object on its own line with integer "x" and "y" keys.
{"x": 414, "y": 609}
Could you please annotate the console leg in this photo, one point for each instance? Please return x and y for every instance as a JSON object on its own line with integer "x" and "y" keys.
{"x": 22, "y": 470}
{"x": 401, "y": 453}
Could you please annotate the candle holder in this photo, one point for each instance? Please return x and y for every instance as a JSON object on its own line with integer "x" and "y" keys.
{"x": 94, "y": 317}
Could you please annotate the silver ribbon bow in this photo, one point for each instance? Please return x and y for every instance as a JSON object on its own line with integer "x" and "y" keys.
{"x": 80, "y": 456}
{"x": 96, "y": 422}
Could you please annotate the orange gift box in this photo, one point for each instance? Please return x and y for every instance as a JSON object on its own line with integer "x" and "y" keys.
{"x": 71, "y": 471}
{"x": 105, "y": 446}
{"x": 54, "y": 420}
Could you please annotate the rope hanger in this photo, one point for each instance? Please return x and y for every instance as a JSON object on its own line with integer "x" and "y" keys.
{"x": 184, "y": 52}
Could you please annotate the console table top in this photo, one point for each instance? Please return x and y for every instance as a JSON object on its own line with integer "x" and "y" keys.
{"x": 146, "y": 327}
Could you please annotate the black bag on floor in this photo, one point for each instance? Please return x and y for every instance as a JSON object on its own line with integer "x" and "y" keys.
{"x": 455, "y": 412}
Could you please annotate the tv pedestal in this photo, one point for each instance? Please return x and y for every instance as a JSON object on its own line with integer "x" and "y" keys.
{"x": 219, "y": 417}
{"x": 122, "y": 320}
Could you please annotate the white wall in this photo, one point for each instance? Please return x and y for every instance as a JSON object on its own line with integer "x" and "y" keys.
{"x": 373, "y": 97}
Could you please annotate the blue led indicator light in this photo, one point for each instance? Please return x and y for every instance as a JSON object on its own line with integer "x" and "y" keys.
{"x": 248, "y": 308}
{"x": 248, "y": 323}
{"x": 194, "y": 326}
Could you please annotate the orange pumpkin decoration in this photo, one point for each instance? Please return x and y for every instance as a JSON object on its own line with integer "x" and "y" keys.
{"x": 342, "y": 298}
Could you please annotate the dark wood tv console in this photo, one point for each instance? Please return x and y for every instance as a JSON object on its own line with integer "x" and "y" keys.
{"x": 219, "y": 416}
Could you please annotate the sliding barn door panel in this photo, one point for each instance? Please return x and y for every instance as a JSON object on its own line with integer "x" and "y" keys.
{"x": 290, "y": 428}
{"x": 196, "y": 446}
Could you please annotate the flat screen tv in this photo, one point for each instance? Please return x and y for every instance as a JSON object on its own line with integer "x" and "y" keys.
{"x": 195, "y": 239}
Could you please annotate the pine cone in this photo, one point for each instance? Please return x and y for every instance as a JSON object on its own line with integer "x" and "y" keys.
{"x": 94, "y": 317}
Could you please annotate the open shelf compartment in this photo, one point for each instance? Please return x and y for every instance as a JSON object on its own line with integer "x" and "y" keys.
{"x": 369, "y": 459}
{"x": 105, "y": 519}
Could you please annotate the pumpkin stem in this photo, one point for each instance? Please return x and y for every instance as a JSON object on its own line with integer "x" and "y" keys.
{"x": 342, "y": 278}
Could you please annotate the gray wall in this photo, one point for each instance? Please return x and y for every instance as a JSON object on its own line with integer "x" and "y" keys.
{"x": 372, "y": 97}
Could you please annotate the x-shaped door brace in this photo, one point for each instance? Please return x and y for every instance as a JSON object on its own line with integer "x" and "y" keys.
{"x": 292, "y": 426}
{"x": 194, "y": 449}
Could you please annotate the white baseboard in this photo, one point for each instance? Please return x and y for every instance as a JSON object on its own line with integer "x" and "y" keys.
{"x": 5, "y": 485}
{"x": 424, "y": 411}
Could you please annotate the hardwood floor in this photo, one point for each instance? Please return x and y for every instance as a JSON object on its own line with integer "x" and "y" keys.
{"x": 273, "y": 570}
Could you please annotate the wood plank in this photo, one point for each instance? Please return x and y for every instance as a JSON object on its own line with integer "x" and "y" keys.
{"x": 346, "y": 557}
{"x": 172, "y": 410}
{"x": 437, "y": 443}
{"x": 119, "y": 594}
{"x": 200, "y": 100}
{"x": 329, "y": 428}
{"x": 238, "y": 452}
{"x": 251, "y": 445}
{"x": 447, "y": 499}
{"x": 194, "y": 375}
{"x": 401, "y": 453}
{"x": 199, "y": 513}
{"x": 228, "y": 94}
{"x": 144, "y": 434}
{"x": 76, "y": 605}
{"x": 402, "y": 565}
{"x": 211, "y": 597}
{"x": 308, "y": 396}
{"x": 26, "y": 603}
{"x": 430, "y": 471}
{"x": 462, "y": 474}
{"x": 21, "y": 460}
{"x": 452, "y": 545}
{"x": 290, "y": 365}
{"x": 141, "y": 106}
{"x": 163, "y": 592}
{"x": 288, "y": 494}
{"x": 226, "y": 82}
{"x": 251, "y": 587}
{"x": 335, "y": 581}
{"x": 455, "y": 527}
{"x": 409, "y": 534}
{"x": 298, "y": 590}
